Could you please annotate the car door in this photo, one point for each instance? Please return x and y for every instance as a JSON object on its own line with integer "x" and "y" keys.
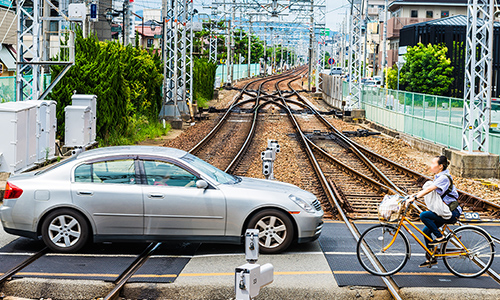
{"x": 174, "y": 206}
{"x": 109, "y": 192}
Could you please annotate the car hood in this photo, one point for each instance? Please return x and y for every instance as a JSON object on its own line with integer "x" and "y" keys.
{"x": 274, "y": 187}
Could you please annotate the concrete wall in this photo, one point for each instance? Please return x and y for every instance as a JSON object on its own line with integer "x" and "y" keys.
{"x": 102, "y": 28}
{"x": 332, "y": 90}
{"x": 405, "y": 11}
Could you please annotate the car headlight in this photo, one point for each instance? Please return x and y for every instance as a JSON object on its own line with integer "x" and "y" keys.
{"x": 302, "y": 203}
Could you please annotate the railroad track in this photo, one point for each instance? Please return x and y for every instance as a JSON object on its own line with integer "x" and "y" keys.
{"x": 209, "y": 149}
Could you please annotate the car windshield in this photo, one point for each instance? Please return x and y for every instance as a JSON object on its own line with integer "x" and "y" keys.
{"x": 209, "y": 170}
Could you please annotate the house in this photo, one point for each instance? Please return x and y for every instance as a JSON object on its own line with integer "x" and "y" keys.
{"x": 8, "y": 33}
{"x": 452, "y": 33}
{"x": 147, "y": 36}
{"x": 406, "y": 12}
{"x": 7, "y": 61}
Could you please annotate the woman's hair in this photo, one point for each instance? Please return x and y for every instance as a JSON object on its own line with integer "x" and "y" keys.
{"x": 442, "y": 160}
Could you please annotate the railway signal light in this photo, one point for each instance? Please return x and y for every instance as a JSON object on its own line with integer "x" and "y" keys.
{"x": 268, "y": 157}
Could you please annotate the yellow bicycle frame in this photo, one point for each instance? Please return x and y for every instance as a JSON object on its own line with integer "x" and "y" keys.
{"x": 432, "y": 253}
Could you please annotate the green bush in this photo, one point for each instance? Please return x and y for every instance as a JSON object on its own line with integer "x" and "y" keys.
{"x": 203, "y": 80}
{"x": 126, "y": 80}
{"x": 427, "y": 70}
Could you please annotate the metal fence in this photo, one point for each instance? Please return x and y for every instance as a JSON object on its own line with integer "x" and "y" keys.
{"x": 433, "y": 118}
{"x": 240, "y": 71}
{"x": 8, "y": 87}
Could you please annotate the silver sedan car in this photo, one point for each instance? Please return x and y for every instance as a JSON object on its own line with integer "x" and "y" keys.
{"x": 138, "y": 193}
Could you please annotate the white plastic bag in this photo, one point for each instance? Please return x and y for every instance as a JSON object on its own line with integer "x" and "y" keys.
{"x": 389, "y": 205}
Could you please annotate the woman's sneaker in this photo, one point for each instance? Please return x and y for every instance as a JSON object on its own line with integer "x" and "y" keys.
{"x": 437, "y": 242}
{"x": 428, "y": 263}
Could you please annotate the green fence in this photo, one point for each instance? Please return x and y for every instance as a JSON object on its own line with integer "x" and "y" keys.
{"x": 8, "y": 87}
{"x": 240, "y": 71}
{"x": 433, "y": 118}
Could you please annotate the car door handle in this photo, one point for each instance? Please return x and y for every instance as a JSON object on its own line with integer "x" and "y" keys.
{"x": 85, "y": 193}
{"x": 158, "y": 196}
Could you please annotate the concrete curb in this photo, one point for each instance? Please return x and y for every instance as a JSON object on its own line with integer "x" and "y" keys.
{"x": 34, "y": 288}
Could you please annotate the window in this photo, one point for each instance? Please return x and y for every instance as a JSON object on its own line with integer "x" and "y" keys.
{"x": 150, "y": 43}
{"x": 114, "y": 171}
{"x": 429, "y": 14}
{"x": 209, "y": 170}
{"x": 1, "y": 68}
{"x": 445, "y": 14}
{"x": 414, "y": 13}
{"x": 164, "y": 173}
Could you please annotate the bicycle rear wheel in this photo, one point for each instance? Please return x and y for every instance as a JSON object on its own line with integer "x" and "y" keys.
{"x": 478, "y": 246}
{"x": 370, "y": 250}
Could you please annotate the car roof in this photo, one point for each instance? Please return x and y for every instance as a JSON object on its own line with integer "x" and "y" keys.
{"x": 131, "y": 150}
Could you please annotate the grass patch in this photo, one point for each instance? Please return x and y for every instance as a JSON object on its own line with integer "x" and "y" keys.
{"x": 138, "y": 129}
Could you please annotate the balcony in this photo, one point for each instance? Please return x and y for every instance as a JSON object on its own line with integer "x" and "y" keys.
{"x": 372, "y": 11}
{"x": 395, "y": 24}
{"x": 392, "y": 57}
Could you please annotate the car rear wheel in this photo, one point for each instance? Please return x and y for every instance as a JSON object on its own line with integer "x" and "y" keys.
{"x": 275, "y": 230}
{"x": 65, "y": 230}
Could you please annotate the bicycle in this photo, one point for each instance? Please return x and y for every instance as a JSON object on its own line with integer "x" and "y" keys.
{"x": 467, "y": 252}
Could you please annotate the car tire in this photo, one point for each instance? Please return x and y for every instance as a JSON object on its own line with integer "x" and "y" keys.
{"x": 275, "y": 230}
{"x": 65, "y": 230}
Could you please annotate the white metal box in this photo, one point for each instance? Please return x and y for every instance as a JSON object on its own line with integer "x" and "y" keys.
{"x": 18, "y": 136}
{"x": 90, "y": 101}
{"x": 77, "y": 129}
{"x": 77, "y": 10}
{"x": 46, "y": 129}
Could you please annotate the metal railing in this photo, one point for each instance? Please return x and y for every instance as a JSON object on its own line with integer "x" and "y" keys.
{"x": 8, "y": 87}
{"x": 240, "y": 71}
{"x": 433, "y": 118}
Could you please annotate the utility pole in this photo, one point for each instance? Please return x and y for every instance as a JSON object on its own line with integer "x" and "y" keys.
{"x": 249, "y": 47}
{"x": 281, "y": 60}
{"x": 228, "y": 45}
{"x": 355, "y": 66}
{"x": 384, "y": 42}
{"x": 265, "y": 52}
{"x": 478, "y": 76}
{"x": 233, "y": 19}
{"x": 311, "y": 45}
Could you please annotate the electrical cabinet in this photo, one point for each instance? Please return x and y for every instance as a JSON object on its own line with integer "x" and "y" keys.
{"x": 18, "y": 136}
{"x": 90, "y": 101}
{"x": 77, "y": 129}
{"x": 46, "y": 126}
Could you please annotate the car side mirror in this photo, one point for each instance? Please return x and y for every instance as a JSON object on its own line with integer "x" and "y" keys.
{"x": 201, "y": 184}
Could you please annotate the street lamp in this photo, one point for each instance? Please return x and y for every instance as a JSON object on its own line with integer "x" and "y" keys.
{"x": 399, "y": 65}
{"x": 111, "y": 13}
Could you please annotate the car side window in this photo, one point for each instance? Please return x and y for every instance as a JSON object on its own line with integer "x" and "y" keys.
{"x": 168, "y": 174}
{"x": 112, "y": 171}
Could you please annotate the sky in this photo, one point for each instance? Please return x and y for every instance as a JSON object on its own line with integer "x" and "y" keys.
{"x": 335, "y": 9}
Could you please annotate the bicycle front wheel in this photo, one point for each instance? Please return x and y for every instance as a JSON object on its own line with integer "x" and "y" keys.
{"x": 371, "y": 254}
{"x": 469, "y": 252}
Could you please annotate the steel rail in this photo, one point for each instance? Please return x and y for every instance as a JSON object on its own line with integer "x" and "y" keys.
{"x": 131, "y": 270}
{"x": 224, "y": 118}
{"x": 389, "y": 282}
{"x": 22, "y": 265}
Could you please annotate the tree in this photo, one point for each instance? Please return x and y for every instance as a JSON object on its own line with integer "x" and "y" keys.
{"x": 427, "y": 70}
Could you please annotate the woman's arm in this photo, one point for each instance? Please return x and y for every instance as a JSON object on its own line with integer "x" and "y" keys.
{"x": 426, "y": 191}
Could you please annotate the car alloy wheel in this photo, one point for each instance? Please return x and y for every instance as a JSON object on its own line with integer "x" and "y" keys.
{"x": 65, "y": 230}
{"x": 275, "y": 230}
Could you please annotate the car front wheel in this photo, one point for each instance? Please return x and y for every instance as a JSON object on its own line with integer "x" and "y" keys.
{"x": 65, "y": 230}
{"x": 275, "y": 230}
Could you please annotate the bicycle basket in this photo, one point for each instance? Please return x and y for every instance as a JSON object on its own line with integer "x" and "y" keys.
{"x": 389, "y": 209}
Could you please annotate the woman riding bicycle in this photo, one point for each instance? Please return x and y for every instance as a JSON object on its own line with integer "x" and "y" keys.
{"x": 441, "y": 199}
